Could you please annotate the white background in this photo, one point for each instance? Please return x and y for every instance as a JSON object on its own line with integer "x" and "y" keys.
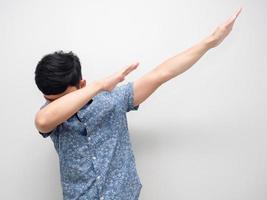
{"x": 202, "y": 135}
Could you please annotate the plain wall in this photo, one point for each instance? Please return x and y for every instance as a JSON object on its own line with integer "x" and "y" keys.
{"x": 202, "y": 135}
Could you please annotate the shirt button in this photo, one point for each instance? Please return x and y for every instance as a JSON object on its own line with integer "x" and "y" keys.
{"x": 101, "y": 198}
{"x": 85, "y": 124}
{"x": 98, "y": 177}
{"x": 94, "y": 157}
{"x": 89, "y": 138}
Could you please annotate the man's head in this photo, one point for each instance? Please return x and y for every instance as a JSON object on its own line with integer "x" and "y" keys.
{"x": 58, "y": 73}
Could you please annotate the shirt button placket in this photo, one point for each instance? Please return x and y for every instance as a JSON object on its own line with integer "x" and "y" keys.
{"x": 88, "y": 138}
{"x": 98, "y": 178}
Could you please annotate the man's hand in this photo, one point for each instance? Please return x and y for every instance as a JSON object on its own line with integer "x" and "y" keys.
{"x": 223, "y": 30}
{"x": 111, "y": 81}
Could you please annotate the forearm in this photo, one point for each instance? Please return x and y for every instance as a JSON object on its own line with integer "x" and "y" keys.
{"x": 181, "y": 62}
{"x": 64, "y": 107}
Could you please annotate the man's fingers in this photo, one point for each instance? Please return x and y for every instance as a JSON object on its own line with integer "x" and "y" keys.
{"x": 232, "y": 19}
{"x": 239, "y": 11}
{"x": 129, "y": 69}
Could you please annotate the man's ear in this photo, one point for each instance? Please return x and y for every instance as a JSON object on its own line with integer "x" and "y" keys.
{"x": 82, "y": 83}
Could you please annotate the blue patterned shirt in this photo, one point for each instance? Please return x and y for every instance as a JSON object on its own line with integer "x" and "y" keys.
{"x": 95, "y": 153}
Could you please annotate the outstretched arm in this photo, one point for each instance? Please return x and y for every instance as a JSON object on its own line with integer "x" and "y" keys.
{"x": 172, "y": 67}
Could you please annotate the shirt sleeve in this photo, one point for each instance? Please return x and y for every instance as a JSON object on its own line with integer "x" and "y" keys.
{"x": 124, "y": 97}
{"x": 45, "y": 135}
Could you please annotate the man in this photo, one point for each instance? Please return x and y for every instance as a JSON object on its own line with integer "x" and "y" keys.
{"x": 88, "y": 123}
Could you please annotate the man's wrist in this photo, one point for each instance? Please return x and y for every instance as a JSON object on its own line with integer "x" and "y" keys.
{"x": 98, "y": 85}
{"x": 209, "y": 42}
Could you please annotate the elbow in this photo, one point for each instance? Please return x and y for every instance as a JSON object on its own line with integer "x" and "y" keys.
{"x": 162, "y": 75}
{"x": 41, "y": 123}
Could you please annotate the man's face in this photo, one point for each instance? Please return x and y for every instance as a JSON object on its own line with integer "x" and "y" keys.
{"x": 52, "y": 97}
{"x": 69, "y": 89}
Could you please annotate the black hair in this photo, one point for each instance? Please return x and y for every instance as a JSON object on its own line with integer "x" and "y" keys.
{"x": 56, "y": 71}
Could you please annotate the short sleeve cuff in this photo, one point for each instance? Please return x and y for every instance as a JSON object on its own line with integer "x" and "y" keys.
{"x": 130, "y": 95}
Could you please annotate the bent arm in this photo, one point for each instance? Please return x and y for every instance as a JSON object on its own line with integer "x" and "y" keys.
{"x": 62, "y": 108}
